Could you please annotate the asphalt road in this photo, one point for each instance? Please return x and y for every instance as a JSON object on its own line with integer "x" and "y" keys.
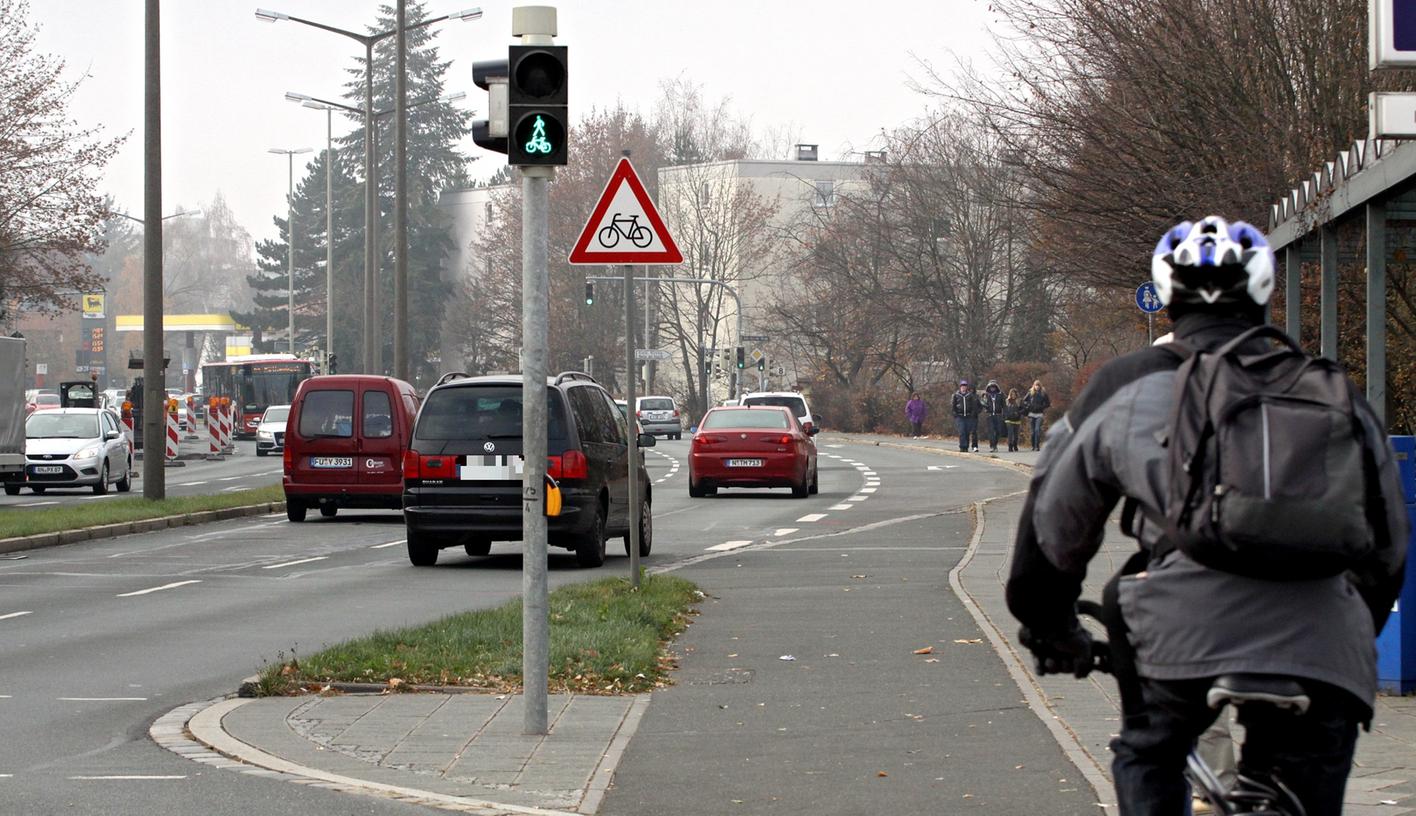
{"x": 99, "y": 639}
{"x": 240, "y": 471}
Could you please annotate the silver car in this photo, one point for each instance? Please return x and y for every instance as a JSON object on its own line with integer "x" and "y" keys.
{"x": 75, "y": 447}
{"x": 270, "y": 433}
{"x": 659, "y": 416}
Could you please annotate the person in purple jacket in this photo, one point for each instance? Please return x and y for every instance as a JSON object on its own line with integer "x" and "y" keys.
{"x": 915, "y": 411}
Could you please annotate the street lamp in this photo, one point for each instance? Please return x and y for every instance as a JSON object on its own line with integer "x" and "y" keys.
{"x": 305, "y": 100}
{"x": 290, "y": 234}
{"x": 372, "y": 347}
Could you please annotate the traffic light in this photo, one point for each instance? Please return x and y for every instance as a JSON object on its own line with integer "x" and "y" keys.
{"x": 537, "y": 104}
{"x": 589, "y": 293}
{"x": 762, "y": 363}
{"x": 333, "y": 364}
{"x": 741, "y": 358}
{"x": 725, "y": 359}
{"x": 491, "y": 76}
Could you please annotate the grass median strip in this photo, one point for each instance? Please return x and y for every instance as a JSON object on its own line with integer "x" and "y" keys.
{"x": 88, "y": 514}
{"x": 606, "y": 638}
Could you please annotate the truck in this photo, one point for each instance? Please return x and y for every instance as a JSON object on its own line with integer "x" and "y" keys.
{"x": 12, "y": 413}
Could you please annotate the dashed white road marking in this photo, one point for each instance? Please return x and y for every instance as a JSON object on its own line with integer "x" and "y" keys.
{"x": 102, "y": 699}
{"x": 869, "y": 489}
{"x": 157, "y": 588}
{"x": 840, "y": 507}
{"x": 784, "y": 531}
{"x": 233, "y": 489}
{"x": 230, "y": 478}
{"x": 301, "y": 561}
{"x": 15, "y": 615}
{"x": 870, "y": 473}
{"x": 728, "y": 545}
{"x": 857, "y": 498}
{"x": 191, "y": 484}
{"x": 812, "y": 517}
{"x": 137, "y": 777}
{"x": 389, "y": 544}
{"x": 833, "y": 446}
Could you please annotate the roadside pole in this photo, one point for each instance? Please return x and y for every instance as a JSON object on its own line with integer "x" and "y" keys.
{"x": 633, "y": 431}
{"x": 536, "y": 25}
{"x": 154, "y": 428}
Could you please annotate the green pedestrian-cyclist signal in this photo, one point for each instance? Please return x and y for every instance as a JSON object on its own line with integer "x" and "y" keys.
{"x": 537, "y": 105}
{"x": 538, "y": 142}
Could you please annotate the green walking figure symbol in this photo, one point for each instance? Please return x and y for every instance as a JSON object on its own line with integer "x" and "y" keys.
{"x": 538, "y": 143}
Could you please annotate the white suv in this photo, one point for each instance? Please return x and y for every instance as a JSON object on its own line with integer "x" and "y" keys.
{"x": 791, "y": 400}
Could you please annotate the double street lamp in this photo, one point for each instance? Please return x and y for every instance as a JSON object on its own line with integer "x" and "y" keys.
{"x": 372, "y": 346}
{"x": 290, "y": 236}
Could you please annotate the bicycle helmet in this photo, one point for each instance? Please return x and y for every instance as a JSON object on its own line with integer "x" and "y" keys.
{"x": 1213, "y": 262}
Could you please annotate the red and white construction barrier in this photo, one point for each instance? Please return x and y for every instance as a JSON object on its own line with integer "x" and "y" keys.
{"x": 173, "y": 439}
{"x": 128, "y": 423}
{"x": 227, "y": 445}
{"x": 213, "y": 432}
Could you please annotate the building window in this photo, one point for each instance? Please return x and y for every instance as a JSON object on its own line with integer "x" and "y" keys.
{"x": 825, "y": 193}
{"x": 488, "y": 212}
{"x": 704, "y": 195}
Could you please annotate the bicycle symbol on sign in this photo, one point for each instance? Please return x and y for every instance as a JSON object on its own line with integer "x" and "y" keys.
{"x": 629, "y": 227}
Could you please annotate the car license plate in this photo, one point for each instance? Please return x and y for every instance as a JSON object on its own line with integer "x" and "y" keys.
{"x": 331, "y": 461}
{"x": 744, "y": 463}
{"x": 48, "y": 469}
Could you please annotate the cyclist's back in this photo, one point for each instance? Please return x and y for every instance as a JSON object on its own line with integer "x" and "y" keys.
{"x": 1188, "y": 623}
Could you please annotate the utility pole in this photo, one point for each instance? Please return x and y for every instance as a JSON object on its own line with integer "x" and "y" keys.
{"x": 400, "y": 201}
{"x": 632, "y": 432}
{"x": 154, "y": 417}
{"x": 329, "y": 237}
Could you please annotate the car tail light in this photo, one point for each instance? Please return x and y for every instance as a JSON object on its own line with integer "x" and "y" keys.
{"x": 569, "y": 465}
{"x": 784, "y": 439}
{"x": 437, "y": 467}
{"x": 410, "y": 465}
{"x": 288, "y": 459}
{"x": 676, "y": 413}
{"x": 707, "y": 439}
{"x": 639, "y": 414}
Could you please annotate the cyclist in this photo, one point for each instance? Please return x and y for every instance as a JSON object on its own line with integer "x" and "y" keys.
{"x": 1189, "y": 624}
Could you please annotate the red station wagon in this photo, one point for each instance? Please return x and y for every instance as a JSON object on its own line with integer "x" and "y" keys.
{"x": 744, "y": 446}
{"x": 344, "y": 443}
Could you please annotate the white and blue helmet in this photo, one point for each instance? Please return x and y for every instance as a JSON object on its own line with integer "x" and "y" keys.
{"x": 1211, "y": 262}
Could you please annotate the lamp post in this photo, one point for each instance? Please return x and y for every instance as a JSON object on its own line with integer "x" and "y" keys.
{"x": 372, "y": 347}
{"x": 290, "y": 235}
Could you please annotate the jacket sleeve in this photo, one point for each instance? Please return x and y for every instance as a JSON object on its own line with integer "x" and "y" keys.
{"x": 1071, "y": 496}
{"x": 1379, "y": 577}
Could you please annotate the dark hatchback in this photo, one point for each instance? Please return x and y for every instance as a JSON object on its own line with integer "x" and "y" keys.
{"x": 462, "y": 472}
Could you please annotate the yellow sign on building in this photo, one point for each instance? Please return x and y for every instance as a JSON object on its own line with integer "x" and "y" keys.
{"x": 93, "y": 305}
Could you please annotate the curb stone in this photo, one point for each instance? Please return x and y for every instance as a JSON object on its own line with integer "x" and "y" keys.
{"x": 41, "y": 540}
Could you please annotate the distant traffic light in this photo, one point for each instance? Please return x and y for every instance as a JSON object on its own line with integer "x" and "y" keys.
{"x": 333, "y": 364}
{"x": 537, "y": 104}
{"x": 741, "y": 358}
{"x": 589, "y": 293}
{"x": 762, "y": 363}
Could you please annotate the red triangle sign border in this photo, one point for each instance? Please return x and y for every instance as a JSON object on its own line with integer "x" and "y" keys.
{"x": 582, "y": 254}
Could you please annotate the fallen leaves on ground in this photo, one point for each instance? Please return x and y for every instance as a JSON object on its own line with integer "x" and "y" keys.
{"x": 926, "y": 650}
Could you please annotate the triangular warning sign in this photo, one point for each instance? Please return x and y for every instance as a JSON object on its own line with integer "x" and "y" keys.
{"x": 624, "y": 227}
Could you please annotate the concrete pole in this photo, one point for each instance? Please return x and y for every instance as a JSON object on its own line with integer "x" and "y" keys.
{"x": 1376, "y": 307}
{"x": 535, "y": 25}
{"x": 1293, "y": 295}
{"x": 400, "y": 202}
{"x": 371, "y": 217}
{"x": 632, "y": 433}
{"x": 154, "y": 417}
{"x": 290, "y": 251}
{"x": 329, "y": 235}
{"x": 1329, "y": 293}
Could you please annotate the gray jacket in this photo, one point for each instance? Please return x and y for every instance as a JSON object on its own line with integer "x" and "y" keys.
{"x": 1188, "y": 621}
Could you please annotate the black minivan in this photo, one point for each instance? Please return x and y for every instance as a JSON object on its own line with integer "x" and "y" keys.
{"x": 462, "y": 471}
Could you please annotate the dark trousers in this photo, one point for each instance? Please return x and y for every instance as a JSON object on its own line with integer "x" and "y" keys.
{"x": 967, "y": 427}
{"x": 917, "y": 428}
{"x": 1014, "y": 429}
{"x": 993, "y": 424}
{"x": 1312, "y": 754}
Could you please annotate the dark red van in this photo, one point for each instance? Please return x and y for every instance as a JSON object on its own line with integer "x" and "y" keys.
{"x": 344, "y": 443}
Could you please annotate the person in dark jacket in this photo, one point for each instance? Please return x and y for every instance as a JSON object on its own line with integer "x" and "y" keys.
{"x": 915, "y": 411}
{"x": 1035, "y": 405}
{"x": 993, "y": 405}
{"x": 1188, "y": 623}
{"x": 1013, "y": 414}
{"x": 966, "y": 409}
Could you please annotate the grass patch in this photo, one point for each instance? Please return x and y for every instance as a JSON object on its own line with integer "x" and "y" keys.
{"x": 117, "y": 511}
{"x": 606, "y": 638}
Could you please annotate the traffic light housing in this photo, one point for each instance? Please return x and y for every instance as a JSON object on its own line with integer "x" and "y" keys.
{"x": 333, "y": 364}
{"x": 492, "y": 77}
{"x": 762, "y": 363}
{"x": 589, "y": 293}
{"x": 741, "y": 358}
{"x": 537, "y": 105}
{"x": 725, "y": 359}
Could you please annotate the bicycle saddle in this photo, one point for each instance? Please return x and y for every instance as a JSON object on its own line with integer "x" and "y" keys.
{"x": 1273, "y": 689}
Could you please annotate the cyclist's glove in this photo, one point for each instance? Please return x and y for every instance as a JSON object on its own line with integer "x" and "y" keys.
{"x": 1063, "y": 651}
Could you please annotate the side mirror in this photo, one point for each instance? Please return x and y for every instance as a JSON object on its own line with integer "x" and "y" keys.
{"x": 647, "y": 440}
{"x": 110, "y": 436}
{"x": 813, "y": 431}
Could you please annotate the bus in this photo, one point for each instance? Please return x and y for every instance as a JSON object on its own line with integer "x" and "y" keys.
{"x": 254, "y": 382}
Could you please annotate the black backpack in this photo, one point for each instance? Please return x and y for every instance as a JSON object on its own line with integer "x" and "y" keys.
{"x": 1267, "y": 462}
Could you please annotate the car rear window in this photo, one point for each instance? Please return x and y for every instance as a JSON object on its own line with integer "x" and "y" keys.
{"x": 656, "y": 404}
{"x": 481, "y": 412}
{"x": 718, "y": 420}
{"x": 327, "y": 413}
{"x": 794, "y": 404}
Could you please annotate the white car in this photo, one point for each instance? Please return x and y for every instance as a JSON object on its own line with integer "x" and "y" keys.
{"x": 270, "y": 432}
{"x": 791, "y": 400}
{"x": 75, "y": 447}
{"x": 659, "y": 415}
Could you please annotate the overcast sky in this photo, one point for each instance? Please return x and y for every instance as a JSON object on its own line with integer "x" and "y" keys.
{"x": 834, "y": 72}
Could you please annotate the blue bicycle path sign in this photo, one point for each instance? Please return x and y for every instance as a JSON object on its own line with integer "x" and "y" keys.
{"x": 1147, "y": 300}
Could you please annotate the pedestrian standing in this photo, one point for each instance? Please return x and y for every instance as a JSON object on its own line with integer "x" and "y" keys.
{"x": 1036, "y": 404}
{"x": 915, "y": 411}
{"x": 994, "y": 406}
{"x": 1013, "y": 417}
{"x": 966, "y": 410}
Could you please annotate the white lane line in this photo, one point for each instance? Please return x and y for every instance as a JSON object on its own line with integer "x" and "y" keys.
{"x": 783, "y": 531}
{"x": 301, "y": 561}
{"x": 233, "y": 489}
{"x": 389, "y": 544}
{"x": 104, "y": 496}
{"x": 137, "y": 777}
{"x": 36, "y": 504}
{"x": 833, "y": 446}
{"x": 7, "y": 776}
{"x": 231, "y": 478}
{"x": 6, "y": 696}
{"x": 191, "y": 484}
{"x": 728, "y": 545}
{"x": 840, "y": 507}
{"x": 102, "y": 699}
{"x": 857, "y": 498}
{"x": 870, "y": 473}
{"x": 157, "y": 588}
{"x": 813, "y": 517}
{"x": 862, "y": 467}
{"x": 869, "y": 489}
{"x": 15, "y": 615}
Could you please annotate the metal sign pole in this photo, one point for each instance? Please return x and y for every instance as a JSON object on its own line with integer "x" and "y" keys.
{"x": 633, "y": 431}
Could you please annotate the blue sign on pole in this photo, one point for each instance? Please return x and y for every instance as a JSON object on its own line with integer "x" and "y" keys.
{"x": 1146, "y": 298}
